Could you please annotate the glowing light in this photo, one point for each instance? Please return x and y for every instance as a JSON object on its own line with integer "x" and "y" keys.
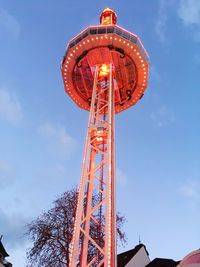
{"x": 94, "y": 139}
{"x": 108, "y": 17}
{"x": 104, "y": 70}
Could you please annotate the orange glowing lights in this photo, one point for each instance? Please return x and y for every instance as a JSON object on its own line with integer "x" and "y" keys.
{"x": 99, "y": 139}
{"x": 108, "y": 17}
{"x": 104, "y": 70}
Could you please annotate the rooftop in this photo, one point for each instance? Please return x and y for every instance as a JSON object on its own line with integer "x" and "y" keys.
{"x": 2, "y": 250}
{"x": 125, "y": 257}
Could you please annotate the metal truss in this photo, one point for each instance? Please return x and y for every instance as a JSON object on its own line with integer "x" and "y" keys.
{"x": 94, "y": 237}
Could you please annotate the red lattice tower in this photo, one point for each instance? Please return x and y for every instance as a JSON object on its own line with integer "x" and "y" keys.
{"x": 105, "y": 71}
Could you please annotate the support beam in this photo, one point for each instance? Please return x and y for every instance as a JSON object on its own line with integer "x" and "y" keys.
{"x": 94, "y": 238}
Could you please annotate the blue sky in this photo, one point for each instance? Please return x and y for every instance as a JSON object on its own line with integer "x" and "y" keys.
{"x": 42, "y": 131}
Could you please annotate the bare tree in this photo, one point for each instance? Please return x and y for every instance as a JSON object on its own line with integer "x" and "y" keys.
{"x": 51, "y": 233}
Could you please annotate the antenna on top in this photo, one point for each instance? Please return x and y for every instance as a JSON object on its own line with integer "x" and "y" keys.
{"x": 1, "y": 237}
{"x": 139, "y": 240}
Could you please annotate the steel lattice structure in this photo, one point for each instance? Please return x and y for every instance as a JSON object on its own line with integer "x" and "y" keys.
{"x": 105, "y": 70}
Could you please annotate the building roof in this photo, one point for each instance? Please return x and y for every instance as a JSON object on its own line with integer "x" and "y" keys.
{"x": 2, "y": 250}
{"x": 125, "y": 257}
{"x": 191, "y": 258}
{"x": 160, "y": 262}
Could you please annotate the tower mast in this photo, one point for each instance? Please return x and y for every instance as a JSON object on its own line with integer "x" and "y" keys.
{"x": 97, "y": 186}
{"x": 105, "y": 70}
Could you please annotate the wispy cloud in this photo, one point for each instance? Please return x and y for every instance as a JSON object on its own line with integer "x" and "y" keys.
{"x": 155, "y": 74}
{"x": 189, "y": 13}
{"x": 162, "y": 20}
{"x": 8, "y": 24}
{"x": 18, "y": 256}
{"x": 10, "y": 107}
{"x": 58, "y": 139}
{"x": 160, "y": 25}
{"x": 162, "y": 117}
{"x": 12, "y": 227}
{"x": 6, "y": 174}
{"x": 190, "y": 189}
{"x": 121, "y": 178}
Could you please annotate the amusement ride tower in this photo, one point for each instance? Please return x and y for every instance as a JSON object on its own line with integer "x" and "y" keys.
{"x": 105, "y": 71}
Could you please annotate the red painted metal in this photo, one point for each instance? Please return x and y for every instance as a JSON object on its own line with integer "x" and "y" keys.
{"x": 105, "y": 71}
{"x": 95, "y": 229}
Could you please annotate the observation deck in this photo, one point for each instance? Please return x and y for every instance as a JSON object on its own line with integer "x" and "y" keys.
{"x": 107, "y": 43}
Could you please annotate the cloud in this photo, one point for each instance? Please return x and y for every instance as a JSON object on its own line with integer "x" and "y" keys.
{"x": 10, "y": 107}
{"x": 162, "y": 117}
{"x": 58, "y": 139}
{"x": 121, "y": 178}
{"x": 162, "y": 19}
{"x": 8, "y": 24}
{"x": 189, "y": 12}
{"x": 6, "y": 174}
{"x": 155, "y": 74}
{"x": 160, "y": 26}
{"x": 12, "y": 228}
{"x": 190, "y": 189}
{"x": 18, "y": 256}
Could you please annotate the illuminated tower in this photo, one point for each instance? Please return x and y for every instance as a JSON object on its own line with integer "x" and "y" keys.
{"x": 105, "y": 71}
